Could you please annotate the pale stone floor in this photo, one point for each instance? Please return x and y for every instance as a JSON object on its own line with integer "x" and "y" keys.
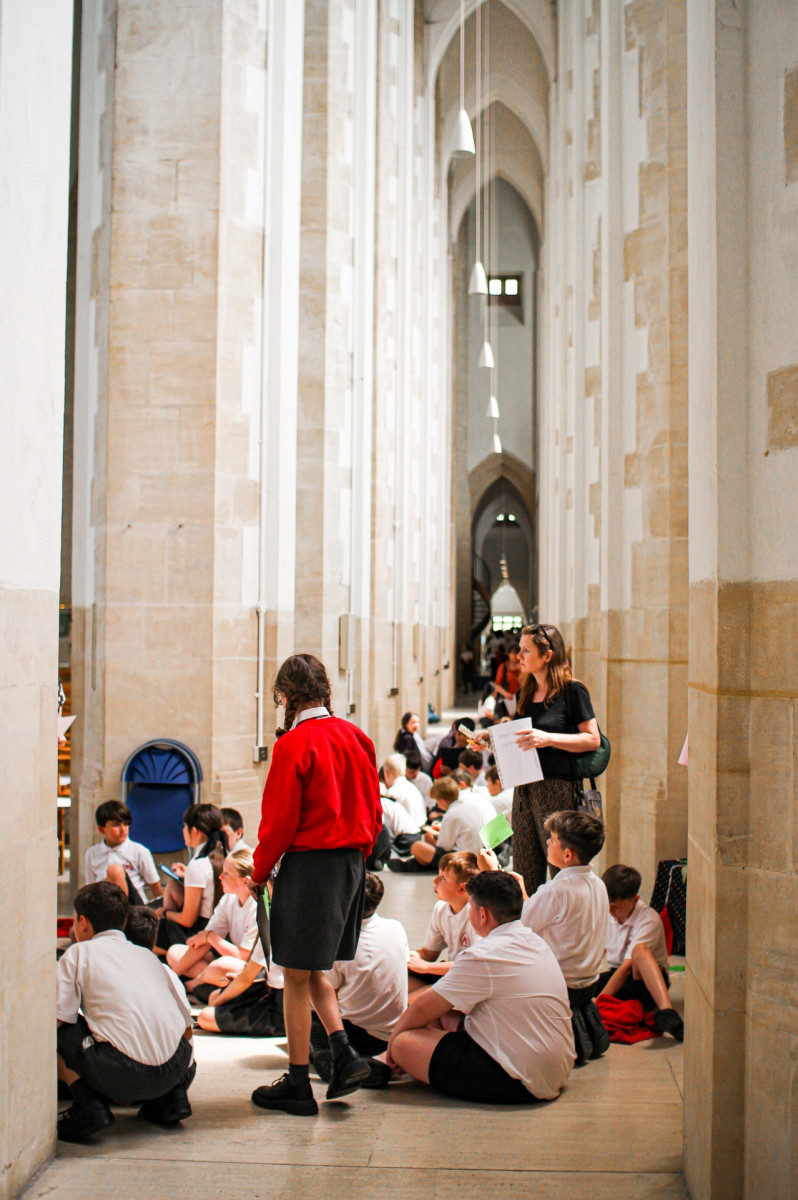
{"x": 616, "y": 1130}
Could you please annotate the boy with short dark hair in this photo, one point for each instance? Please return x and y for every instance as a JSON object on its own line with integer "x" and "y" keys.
{"x": 141, "y": 926}
{"x": 471, "y": 761}
{"x": 636, "y": 951}
{"x": 124, "y": 1023}
{"x": 233, "y": 827}
{"x": 515, "y": 1044}
{"x": 117, "y": 858}
{"x": 569, "y": 913}
{"x": 500, "y": 797}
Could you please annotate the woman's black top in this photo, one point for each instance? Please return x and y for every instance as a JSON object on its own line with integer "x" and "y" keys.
{"x": 567, "y": 711}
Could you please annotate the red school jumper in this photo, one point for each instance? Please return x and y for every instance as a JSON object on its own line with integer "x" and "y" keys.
{"x": 322, "y": 793}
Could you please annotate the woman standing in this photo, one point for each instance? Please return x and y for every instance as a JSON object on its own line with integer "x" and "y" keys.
{"x": 321, "y": 815}
{"x": 563, "y": 724}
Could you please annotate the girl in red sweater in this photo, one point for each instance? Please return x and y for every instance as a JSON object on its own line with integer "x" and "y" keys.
{"x": 320, "y": 817}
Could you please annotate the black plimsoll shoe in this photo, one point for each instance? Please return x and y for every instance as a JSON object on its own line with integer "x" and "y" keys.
{"x": 285, "y": 1096}
{"x": 349, "y": 1072}
{"x": 168, "y": 1109}
{"x": 380, "y": 1074}
{"x": 667, "y": 1020}
{"x": 80, "y": 1121}
{"x": 406, "y": 866}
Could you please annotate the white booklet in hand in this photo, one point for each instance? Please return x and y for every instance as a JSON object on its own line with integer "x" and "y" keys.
{"x": 515, "y": 766}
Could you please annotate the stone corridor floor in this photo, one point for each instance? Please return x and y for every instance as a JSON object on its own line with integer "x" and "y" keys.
{"x": 616, "y": 1130}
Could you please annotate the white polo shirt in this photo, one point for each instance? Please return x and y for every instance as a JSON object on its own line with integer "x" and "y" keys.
{"x": 423, "y": 784}
{"x": 403, "y": 792}
{"x": 127, "y": 997}
{"x": 644, "y": 925}
{"x": 570, "y": 914}
{"x": 398, "y": 817}
{"x": 516, "y": 1004}
{"x": 503, "y": 802}
{"x": 372, "y": 988}
{"x": 463, "y": 820}
{"x": 199, "y": 873}
{"x": 234, "y": 921}
{"x": 449, "y": 931}
{"x": 135, "y": 858}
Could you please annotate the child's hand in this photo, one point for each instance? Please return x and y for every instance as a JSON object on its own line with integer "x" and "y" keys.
{"x": 520, "y": 879}
{"x": 179, "y": 868}
{"x": 196, "y": 939}
{"x": 214, "y": 997}
{"x": 420, "y": 965}
{"x": 487, "y": 860}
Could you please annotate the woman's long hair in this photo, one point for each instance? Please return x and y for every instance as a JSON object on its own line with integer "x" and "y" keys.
{"x": 208, "y": 819}
{"x": 545, "y": 637}
{"x": 303, "y": 680}
{"x": 401, "y": 738}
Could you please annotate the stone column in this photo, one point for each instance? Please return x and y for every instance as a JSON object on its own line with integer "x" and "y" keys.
{"x": 35, "y": 78}
{"x": 168, "y": 385}
{"x": 741, "y": 1011}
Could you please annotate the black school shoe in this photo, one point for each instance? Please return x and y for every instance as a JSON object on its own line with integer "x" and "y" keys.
{"x": 80, "y": 1121}
{"x": 380, "y": 1074}
{"x": 168, "y": 1109}
{"x": 285, "y": 1096}
{"x": 349, "y": 1072}
{"x": 667, "y": 1020}
{"x": 408, "y": 866}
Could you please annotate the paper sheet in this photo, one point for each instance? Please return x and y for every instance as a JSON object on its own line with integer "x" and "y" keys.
{"x": 64, "y": 724}
{"x": 515, "y": 766}
{"x": 495, "y": 832}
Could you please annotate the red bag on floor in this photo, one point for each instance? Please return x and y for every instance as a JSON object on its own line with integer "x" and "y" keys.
{"x": 625, "y": 1020}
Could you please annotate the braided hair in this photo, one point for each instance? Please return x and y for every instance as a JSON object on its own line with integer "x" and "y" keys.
{"x": 303, "y": 680}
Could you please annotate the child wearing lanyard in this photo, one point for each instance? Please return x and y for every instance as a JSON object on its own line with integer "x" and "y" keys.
{"x": 321, "y": 815}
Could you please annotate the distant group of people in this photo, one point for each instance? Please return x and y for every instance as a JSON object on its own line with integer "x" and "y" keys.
{"x": 286, "y": 939}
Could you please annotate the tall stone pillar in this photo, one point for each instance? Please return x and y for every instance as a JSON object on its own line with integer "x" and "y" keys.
{"x": 742, "y": 963}
{"x": 168, "y": 392}
{"x": 35, "y": 78}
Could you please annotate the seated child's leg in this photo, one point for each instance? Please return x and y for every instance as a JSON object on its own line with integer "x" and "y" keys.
{"x": 413, "y": 1049}
{"x": 646, "y": 967}
{"x": 173, "y": 897}
{"x": 118, "y": 875}
{"x": 219, "y": 971}
{"x": 416, "y": 987}
{"x": 423, "y": 852}
{"x": 207, "y": 1020}
{"x": 616, "y": 979}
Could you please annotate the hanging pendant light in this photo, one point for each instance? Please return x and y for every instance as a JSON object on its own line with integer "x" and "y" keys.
{"x": 497, "y": 444}
{"x": 478, "y": 283}
{"x": 493, "y": 409}
{"x": 463, "y": 141}
{"x": 486, "y": 356}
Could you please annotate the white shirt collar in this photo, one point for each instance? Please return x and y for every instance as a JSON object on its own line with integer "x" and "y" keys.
{"x": 321, "y": 711}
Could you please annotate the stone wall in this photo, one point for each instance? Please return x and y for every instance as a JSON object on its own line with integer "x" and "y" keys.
{"x": 613, "y": 436}
{"x": 740, "y": 1092}
{"x": 35, "y": 77}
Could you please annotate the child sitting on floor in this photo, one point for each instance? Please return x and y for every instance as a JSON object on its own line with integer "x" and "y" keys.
{"x": 219, "y": 951}
{"x": 464, "y": 816}
{"x": 141, "y": 926}
{"x": 419, "y": 779}
{"x": 124, "y": 1024}
{"x": 636, "y": 951}
{"x": 570, "y": 914}
{"x": 126, "y": 863}
{"x": 501, "y": 798}
{"x": 449, "y": 927}
{"x": 233, "y": 829}
{"x": 401, "y": 790}
{"x": 188, "y": 905}
{"x": 371, "y": 988}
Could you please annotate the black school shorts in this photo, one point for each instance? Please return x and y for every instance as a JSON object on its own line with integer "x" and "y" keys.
{"x": 633, "y": 989}
{"x": 120, "y": 1079}
{"x": 461, "y": 1068}
{"x": 317, "y": 907}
